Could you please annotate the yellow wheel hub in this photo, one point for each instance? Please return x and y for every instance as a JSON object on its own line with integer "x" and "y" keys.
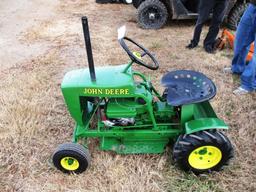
{"x": 137, "y": 55}
{"x": 69, "y": 163}
{"x": 205, "y": 157}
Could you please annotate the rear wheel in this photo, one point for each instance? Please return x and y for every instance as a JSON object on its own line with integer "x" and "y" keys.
{"x": 152, "y": 14}
{"x": 235, "y": 15}
{"x": 71, "y": 157}
{"x": 203, "y": 151}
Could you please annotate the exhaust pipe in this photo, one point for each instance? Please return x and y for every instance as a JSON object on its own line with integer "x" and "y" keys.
{"x": 88, "y": 47}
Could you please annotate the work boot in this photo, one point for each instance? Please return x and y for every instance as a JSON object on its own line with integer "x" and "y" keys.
{"x": 191, "y": 45}
{"x": 209, "y": 49}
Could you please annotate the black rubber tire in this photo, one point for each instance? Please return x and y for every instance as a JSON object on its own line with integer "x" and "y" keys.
{"x": 74, "y": 150}
{"x": 235, "y": 15}
{"x": 157, "y": 8}
{"x": 185, "y": 144}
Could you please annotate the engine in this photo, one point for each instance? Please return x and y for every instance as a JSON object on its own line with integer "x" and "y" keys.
{"x": 124, "y": 112}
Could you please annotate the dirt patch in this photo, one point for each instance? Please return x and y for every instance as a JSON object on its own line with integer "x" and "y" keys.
{"x": 16, "y": 17}
{"x": 34, "y": 119}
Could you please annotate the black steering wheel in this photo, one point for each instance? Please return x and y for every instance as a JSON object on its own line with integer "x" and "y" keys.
{"x": 136, "y": 56}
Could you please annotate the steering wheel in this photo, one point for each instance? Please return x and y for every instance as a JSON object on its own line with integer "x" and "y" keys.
{"x": 136, "y": 56}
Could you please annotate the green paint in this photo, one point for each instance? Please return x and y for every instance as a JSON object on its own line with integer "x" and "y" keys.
{"x": 116, "y": 95}
{"x": 204, "y": 124}
{"x": 203, "y": 151}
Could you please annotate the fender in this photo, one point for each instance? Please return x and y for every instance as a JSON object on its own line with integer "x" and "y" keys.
{"x": 204, "y": 124}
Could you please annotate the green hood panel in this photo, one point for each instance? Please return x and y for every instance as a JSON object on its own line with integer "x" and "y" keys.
{"x": 115, "y": 83}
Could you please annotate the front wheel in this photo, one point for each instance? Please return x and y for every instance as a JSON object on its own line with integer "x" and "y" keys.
{"x": 152, "y": 14}
{"x": 203, "y": 151}
{"x": 71, "y": 157}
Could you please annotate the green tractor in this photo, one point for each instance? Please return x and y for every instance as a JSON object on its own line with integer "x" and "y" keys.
{"x": 121, "y": 108}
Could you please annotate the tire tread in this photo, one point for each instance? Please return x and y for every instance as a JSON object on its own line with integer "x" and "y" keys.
{"x": 75, "y": 149}
{"x": 155, "y": 3}
{"x": 235, "y": 15}
{"x": 210, "y": 137}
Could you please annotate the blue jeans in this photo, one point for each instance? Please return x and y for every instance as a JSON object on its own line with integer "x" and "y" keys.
{"x": 245, "y": 35}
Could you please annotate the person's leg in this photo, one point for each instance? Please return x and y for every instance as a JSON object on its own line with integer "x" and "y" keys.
{"x": 205, "y": 8}
{"x": 183, "y": 1}
{"x": 244, "y": 38}
{"x": 219, "y": 10}
{"x": 248, "y": 77}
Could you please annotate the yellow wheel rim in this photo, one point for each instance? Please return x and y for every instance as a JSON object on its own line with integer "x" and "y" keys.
{"x": 69, "y": 163}
{"x": 205, "y": 157}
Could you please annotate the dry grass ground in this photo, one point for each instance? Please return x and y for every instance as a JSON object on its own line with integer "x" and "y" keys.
{"x": 34, "y": 120}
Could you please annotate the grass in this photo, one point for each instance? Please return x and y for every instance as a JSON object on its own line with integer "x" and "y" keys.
{"x": 156, "y": 45}
{"x": 193, "y": 183}
{"x": 34, "y": 119}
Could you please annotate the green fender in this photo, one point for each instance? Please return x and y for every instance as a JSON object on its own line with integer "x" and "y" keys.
{"x": 204, "y": 124}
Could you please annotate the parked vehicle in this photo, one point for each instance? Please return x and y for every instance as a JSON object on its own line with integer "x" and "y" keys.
{"x": 153, "y": 14}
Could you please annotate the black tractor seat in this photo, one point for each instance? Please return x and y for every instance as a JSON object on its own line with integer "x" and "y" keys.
{"x": 187, "y": 87}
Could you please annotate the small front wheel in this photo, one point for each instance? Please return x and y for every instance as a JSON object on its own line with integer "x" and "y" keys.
{"x": 203, "y": 151}
{"x": 71, "y": 157}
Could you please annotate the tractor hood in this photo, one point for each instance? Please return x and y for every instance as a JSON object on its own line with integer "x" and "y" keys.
{"x": 110, "y": 81}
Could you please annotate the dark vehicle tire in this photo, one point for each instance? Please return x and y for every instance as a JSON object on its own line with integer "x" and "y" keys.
{"x": 235, "y": 15}
{"x": 71, "y": 158}
{"x": 203, "y": 151}
{"x": 152, "y": 14}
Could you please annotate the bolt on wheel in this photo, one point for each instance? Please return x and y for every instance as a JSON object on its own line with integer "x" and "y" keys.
{"x": 203, "y": 151}
{"x": 205, "y": 157}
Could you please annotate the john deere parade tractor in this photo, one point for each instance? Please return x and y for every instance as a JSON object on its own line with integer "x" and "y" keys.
{"x": 121, "y": 108}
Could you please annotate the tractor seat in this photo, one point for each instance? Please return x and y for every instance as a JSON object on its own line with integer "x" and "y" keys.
{"x": 187, "y": 87}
